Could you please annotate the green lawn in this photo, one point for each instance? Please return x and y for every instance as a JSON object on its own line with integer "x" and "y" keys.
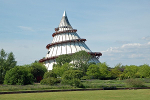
{"x": 143, "y": 94}
{"x": 86, "y": 83}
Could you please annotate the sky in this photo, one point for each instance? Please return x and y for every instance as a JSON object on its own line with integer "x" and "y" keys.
{"x": 119, "y": 29}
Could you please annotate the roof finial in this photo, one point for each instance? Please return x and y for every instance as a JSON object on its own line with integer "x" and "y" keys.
{"x": 64, "y": 13}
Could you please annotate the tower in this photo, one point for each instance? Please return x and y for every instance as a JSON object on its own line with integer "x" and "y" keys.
{"x": 66, "y": 41}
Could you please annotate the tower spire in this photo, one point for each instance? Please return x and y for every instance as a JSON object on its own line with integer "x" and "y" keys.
{"x": 64, "y": 13}
{"x": 64, "y": 23}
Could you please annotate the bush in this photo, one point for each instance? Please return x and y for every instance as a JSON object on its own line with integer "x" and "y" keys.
{"x": 18, "y": 75}
{"x": 78, "y": 83}
{"x": 49, "y": 81}
{"x": 93, "y": 71}
{"x": 73, "y": 82}
{"x": 59, "y": 70}
{"x": 72, "y": 77}
{"x": 85, "y": 78}
{"x": 37, "y": 69}
{"x": 50, "y": 74}
{"x": 134, "y": 83}
{"x": 50, "y": 78}
{"x": 72, "y": 74}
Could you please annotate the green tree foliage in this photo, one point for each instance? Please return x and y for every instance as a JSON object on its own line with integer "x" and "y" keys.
{"x": 104, "y": 71}
{"x": 38, "y": 70}
{"x": 116, "y": 71}
{"x": 50, "y": 74}
{"x": 130, "y": 71}
{"x": 59, "y": 70}
{"x": 50, "y": 78}
{"x": 62, "y": 59}
{"x": 81, "y": 60}
{"x": 144, "y": 71}
{"x": 49, "y": 81}
{"x": 10, "y": 62}
{"x": 7, "y": 61}
{"x": 72, "y": 77}
{"x": 18, "y": 75}
{"x": 93, "y": 71}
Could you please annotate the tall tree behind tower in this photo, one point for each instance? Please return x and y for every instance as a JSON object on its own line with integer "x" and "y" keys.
{"x": 7, "y": 61}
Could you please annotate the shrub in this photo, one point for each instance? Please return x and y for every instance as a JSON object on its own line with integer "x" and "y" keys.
{"x": 50, "y": 74}
{"x": 71, "y": 74}
{"x": 37, "y": 69}
{"x": 104, "y": 71}
{"x": 93, "y": 71}
{"x": 18, "y": 75}
{"x": 72, "y": 77}
{"x": 49, "y": 81}
{"x": 73, "y": 82}
{"x": 134, "y": 83}
{"x": 85, "y": 78}
{"x": 50, "y": 78}
{"x": 78, "y": 83}
{"x": 144, "y": 71}
{"x": 59, "y": 70}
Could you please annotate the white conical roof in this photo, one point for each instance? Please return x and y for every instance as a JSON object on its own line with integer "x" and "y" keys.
{"x": 64, "y": 23}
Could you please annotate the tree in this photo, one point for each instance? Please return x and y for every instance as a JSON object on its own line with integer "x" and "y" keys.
{"x": 50, "y": 78}
{"x": 7, "y": 61}
{"x": 81, "y": 60}
{"x": 38, "y": 70}
{"x": 18, "y": 75}
{"x": 93, "y": 71}
{"x": 62, "y": 59}
{"x": 2, "y": 64}
{"x": 144, "y": 71}
{"x": 130, "y": 71}
{"x": 10, "y": 62}
{"x": 72, "y": 77}
{"x": 50, "y": 74}
{"x": 104, "y": 70}
{"x": 59, "y": 70}
{"x": 116, "y": 72}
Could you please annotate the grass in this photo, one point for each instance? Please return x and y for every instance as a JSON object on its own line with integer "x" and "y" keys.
{"x": 86, "y": 83}
{"x": 103, "y": 83}
{"x": 143, "y": 94}
{"x": 114, "y": 83}
{"x": 32, "y": 87}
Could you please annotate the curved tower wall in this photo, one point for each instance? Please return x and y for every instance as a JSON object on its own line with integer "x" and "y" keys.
{"x": 66, "y": 41}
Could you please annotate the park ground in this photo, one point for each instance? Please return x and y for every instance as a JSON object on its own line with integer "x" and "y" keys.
{"x": 139, "y": 94}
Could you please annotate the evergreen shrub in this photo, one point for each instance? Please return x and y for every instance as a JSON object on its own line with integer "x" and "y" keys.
{"x": 134, "y": 83}
{"x": 49, "y": 81}
{"x": 19, "y": 75}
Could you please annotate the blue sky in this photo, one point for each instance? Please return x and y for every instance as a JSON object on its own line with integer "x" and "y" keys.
{"x": 120, "y": 29}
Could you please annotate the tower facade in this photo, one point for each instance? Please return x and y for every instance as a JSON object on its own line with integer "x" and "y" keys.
{"x": 66, "y": 41}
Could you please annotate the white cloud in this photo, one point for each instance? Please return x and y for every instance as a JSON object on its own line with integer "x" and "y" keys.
{"x": 146, "y": 38}
{"x": 113, "y": 50}
{"x": 133, "y": 53}
{"x": 26, "y": 28}
{"x": 130, "y": 45}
